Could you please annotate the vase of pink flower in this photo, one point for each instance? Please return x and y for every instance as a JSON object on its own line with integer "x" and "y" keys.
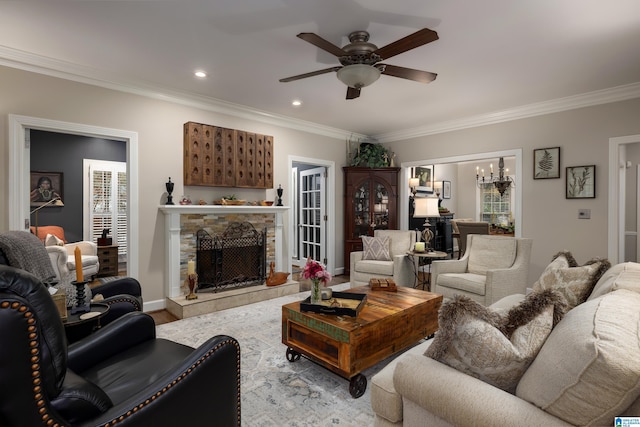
{"x": 318, "y": 274}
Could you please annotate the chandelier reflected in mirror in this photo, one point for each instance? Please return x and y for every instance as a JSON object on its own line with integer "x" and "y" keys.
{"x": 502, "y": 182}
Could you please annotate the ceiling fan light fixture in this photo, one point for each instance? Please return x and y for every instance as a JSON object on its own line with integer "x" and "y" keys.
{"x": 358, "y": 75}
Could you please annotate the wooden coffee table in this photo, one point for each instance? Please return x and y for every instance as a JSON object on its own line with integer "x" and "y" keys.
{"x": 388, "y": 323}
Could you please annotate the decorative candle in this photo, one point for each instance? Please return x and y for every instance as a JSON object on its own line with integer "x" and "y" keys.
{"x": 491, "y": 167}
{"x": 191, "y": 267}
{"x": 78, "y": 257}
{"x": 419, "y": 247}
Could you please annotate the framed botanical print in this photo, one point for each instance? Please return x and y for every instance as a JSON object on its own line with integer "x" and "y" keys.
{"x": 546, "y": 163}
{"x": 581, "y": 182}
{"x": 446, "y": 189}
{"x": 425, "y": 175}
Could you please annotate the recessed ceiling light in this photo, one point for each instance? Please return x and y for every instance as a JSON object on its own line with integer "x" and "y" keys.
{"x": 296, "y": 103}
{"x": 201, "y": 74}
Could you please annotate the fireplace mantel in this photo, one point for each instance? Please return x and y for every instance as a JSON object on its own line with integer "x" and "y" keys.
{"x": 172, "y": 236}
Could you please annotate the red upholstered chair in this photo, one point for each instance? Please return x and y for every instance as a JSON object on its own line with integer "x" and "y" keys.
{"x": 44, "y": 230}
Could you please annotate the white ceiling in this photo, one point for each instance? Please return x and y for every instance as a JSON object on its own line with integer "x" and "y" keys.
{"x": 493, "y": 56}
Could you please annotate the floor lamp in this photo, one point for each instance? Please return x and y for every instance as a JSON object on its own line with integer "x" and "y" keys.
{"x": 50, "y": 202}
{"x": 426, "y": 207}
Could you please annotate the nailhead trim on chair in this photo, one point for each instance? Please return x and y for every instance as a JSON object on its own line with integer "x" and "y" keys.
{"x": 35, "y": 361}
{"x": 180, "y": 378}
{"x": 135, "y": 302}
{"x": 35, "y": 370}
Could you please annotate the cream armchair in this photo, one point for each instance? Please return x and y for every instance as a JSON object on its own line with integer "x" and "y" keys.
{"x": 492, "y": 267}
{"x": 64, "y": 263}
{"x": 399, "y": 268}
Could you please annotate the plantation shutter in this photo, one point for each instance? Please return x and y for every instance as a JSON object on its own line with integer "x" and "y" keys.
{"x": 108, "y": 195}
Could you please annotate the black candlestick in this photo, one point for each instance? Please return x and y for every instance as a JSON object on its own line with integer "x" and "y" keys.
{"x": 279, "y": 191}
{"x": 81, "y": 305}
{"x": 169, "y": 186}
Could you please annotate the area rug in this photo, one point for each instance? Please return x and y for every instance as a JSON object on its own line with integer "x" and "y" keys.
{"x": 276, "y": 392}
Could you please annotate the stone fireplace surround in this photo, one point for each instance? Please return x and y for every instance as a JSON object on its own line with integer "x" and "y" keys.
{"x": 178, "y": 248}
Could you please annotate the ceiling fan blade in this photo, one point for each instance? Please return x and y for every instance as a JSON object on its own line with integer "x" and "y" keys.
{"x": 408, "y": 73}
{"x": 352, "y": 92}
{"x": 311, "y": 74}
{"x": 318, "y": 41}
{"x": 409, "y": 42}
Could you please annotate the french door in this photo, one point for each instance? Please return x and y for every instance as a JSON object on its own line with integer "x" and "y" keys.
{"x": 312, "y": 218}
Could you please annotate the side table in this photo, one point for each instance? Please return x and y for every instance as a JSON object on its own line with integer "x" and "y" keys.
{"x": 80, "y": 325}
{"x": 420, "y": 259}
{"x": 108, "y": 259}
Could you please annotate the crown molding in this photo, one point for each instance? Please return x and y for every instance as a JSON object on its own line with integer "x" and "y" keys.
{"x": 604, "y": 96}
{"x": 26, "y": 61}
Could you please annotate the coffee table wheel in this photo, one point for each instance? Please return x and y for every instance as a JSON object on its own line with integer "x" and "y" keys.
{"x": 292, "y": 355}
{"x": 357, "y": 385}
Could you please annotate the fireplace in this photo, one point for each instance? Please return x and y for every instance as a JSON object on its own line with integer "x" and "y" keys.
{"x": 235, "y": 259}
{"x": 182, "y": 223}
{"x": 180, "y": 239}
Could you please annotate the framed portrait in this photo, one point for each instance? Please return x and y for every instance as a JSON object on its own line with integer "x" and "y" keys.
{"x": 581, "y": 182}
{"x": 546, "y": 163}
{"x": 446, "y": 189}
{"x": 425, "y": 175}
{"x": 46, "y": 189}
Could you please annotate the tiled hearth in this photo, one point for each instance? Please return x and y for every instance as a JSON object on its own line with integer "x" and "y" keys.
{"x": 209, "y": 302}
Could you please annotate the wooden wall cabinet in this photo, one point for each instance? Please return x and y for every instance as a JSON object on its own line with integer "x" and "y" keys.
{"x": 370, "y": 203}
{"x": 220, "y": 157}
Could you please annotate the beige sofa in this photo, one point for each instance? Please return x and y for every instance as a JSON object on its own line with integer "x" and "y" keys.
{"x": 586, "y": 373}
{"x": 399, "y": 268}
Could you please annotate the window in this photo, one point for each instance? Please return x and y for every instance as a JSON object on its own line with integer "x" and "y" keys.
{"x": 494, "y": 209}
{"x": 108, "y": 195}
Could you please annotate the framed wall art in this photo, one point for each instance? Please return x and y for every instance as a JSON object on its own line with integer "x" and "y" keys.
{"x": 425, "y": 175}
{"x": 581, "y": 182}
{"x": 546, "y": 163}
{"x": 446, "y": 189}
{"x": 46, "y": 189}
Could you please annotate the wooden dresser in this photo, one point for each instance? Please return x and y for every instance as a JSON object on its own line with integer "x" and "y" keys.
{"x": 108, "y": 258}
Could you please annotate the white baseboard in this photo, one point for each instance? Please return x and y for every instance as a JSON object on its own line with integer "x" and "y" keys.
{"x": 156, "y": 305}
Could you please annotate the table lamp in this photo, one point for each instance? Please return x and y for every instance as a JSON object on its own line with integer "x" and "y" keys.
{"x": 426, "y": 207}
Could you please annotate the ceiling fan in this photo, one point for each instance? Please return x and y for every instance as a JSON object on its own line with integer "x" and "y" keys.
{"x": 361, "y": 60}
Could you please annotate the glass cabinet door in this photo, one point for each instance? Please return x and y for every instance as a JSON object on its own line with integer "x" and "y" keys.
{"x": 361, "y": 208}
{"x": 380, "y": 213}
{"x": 371, "y": 208}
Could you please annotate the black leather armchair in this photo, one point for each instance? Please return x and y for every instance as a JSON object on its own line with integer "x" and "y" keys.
{"x": 121, "y": 375}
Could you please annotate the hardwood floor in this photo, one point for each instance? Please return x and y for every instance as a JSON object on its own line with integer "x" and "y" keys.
{"x": 163, "y": 316}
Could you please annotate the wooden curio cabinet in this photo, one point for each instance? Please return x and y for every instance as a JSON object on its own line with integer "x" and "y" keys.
{"x": 370, "y": 203}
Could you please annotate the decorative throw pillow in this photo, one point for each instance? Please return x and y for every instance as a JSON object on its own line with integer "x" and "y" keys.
{"x": 52, "y": 240}
{"x": 376, "y": 248}
{"x": 588, "y": 371}
{"x": 574, "y": 282}
{"x": 493, "y": 347}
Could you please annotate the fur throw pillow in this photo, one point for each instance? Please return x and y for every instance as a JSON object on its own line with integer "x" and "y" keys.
{"x": 494, "y": 347}
{"x": 574, "y": 282}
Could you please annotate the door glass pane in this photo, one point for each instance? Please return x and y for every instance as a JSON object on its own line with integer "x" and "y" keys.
{"x": 361, "y": 200}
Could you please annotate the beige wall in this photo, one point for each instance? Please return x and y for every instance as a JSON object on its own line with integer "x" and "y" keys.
{"x": 547, "y": 217}
{"x": 159, "y": 128}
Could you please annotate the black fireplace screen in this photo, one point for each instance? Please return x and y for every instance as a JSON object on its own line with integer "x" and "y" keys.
{"x": 234, "y": 260}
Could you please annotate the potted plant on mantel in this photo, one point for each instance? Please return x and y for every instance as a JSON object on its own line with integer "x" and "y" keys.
{"x": 371, "y": 155}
